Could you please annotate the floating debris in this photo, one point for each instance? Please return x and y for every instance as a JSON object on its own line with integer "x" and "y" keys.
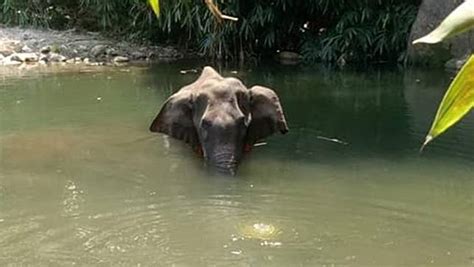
{"x": 236, "y": 252}
{"x": 188, "y": 71}
{"x": 260, "y": 144}
{"x": 332, "y": 140}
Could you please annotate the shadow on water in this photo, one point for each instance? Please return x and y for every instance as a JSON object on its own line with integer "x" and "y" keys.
{"x": 83, "y": 182}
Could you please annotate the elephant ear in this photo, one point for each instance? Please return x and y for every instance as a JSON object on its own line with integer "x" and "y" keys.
{"x": 176, "y": 118}
{"x": 267, "y": 114}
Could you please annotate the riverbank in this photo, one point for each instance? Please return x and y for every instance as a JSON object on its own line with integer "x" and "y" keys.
{"x": 40, "y": 47}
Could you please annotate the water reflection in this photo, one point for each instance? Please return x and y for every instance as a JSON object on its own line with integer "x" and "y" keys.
{"x": 83, "y": 182}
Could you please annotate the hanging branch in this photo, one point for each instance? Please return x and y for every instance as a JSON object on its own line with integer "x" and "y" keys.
{"x": 155, "y": 6}
{"x": 217, "y": 13}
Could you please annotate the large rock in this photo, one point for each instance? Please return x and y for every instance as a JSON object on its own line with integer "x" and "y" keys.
{"x": 26, "y": 49}
{"x": 98, "y": 50}
{"x": 9, "y": 47}
{"x": 121, "y": 59}
{"x": 138, "y": 55}
{"x": 55, "y": 57}
{"x": 7, "y": 61}
{"x": 288, "y": 58}
{"x": 24, "y": 57}
{"x": 456, "y": 64}
{"x": 45, "y": 49}
{"x": 430, "y": 15}
{"x": 111, "y": 52}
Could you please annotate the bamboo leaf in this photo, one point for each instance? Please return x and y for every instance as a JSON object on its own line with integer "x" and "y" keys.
{"x": 458, "y": 21}
{"x": 155, "y": 5}
{"x": 456, "y": 103}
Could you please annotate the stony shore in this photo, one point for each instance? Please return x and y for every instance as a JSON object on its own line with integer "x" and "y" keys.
{"x": 41, "y": 47}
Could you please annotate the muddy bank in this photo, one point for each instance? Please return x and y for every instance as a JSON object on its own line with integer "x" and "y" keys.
{"x": 33, "y": 46}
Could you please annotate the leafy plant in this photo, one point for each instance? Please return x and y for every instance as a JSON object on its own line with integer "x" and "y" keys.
{"x": 322, "y": 30}
{"x": 155, "y": 6}
{"x": 362, "y": 33}
{"x": 459, "y": 98}
{"x": 460, "y": 20}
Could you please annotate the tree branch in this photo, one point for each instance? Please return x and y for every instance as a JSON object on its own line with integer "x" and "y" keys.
{"x": 217, "y": 13}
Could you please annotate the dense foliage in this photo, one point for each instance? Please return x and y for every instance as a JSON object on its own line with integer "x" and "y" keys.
{"x": 321, "y": 30}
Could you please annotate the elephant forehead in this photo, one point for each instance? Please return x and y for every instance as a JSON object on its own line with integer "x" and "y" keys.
{"x": 223, "y": 88}
{"x": 223, "y": 115}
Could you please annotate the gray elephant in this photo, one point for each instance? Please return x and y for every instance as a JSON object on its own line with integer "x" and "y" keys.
{"x": 221, "y": 117}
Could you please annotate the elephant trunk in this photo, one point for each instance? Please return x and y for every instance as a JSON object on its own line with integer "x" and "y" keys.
{"x": 224, "y": 163}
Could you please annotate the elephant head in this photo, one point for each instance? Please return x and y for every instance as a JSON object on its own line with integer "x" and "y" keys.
{"x": 220, "y": 117}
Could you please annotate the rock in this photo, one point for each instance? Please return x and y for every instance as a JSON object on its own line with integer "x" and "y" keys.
{"x": 26, "y": 36}
{"x": 137, "y": 55}
{"x": 151, "y": 55}
{"x": 71, "y": 60}
{"x": 55, "y": 57}
{"x": 430, "y": 15}
{"x": 45, "y": 49}
{"x": 95, "y": 64}
{"x": 288, "y": 58}
{"x": 82, "y": 48}
{"x": 26, "y": 49}
{"x": 87, "y": 60}
{"x": 78, "y": 59}
{"x": 7, "y": 61}
{"x": 32, "y": 43}
{"x": 6, "y": 52}
{"x": 43, "y": 57}
{"x": 121, "y": 59}
{"x": 111, "y": 52}
{"x": 10, "y": 47}
{"x": 456, "y": 63}
{"x": 287, "y": 55}
{"x": 98, "y": 50}
{"x": 167, "y": 52}
{"x": 24, "y": 57}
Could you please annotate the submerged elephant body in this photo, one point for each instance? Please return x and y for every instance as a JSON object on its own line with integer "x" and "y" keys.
{"x": 220, "y": 116}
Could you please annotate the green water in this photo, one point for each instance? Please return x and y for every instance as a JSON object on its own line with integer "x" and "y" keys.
{"x": 82, "y": 181}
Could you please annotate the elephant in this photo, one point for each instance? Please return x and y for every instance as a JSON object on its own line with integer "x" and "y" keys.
{"x": 221, "y": 117}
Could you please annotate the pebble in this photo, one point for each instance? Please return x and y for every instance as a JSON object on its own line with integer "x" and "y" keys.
{"x": 42, "y": 47}
{"x": 121, "y": 59}
{"x": 24, "y": 57}
{"x": 26, "y": 49}
{"x": 45, "y": 49}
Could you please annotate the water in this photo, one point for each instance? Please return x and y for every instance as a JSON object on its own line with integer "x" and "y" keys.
{"x": 83, "y": 182}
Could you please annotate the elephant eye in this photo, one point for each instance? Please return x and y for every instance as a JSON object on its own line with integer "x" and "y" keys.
{"x": 206, "y": 124}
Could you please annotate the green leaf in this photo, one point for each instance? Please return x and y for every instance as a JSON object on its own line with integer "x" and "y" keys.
{"x": 457, "y": 102}
{"x": 155, "y": 5}
{"x": 458, "y": 21}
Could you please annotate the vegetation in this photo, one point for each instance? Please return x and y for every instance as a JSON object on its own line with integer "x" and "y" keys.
{"x": 321, "y": 30}
{"x": 459, "y": 99}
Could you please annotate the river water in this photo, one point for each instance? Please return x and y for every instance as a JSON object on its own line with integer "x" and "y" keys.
{"x": 82, "y": 181}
